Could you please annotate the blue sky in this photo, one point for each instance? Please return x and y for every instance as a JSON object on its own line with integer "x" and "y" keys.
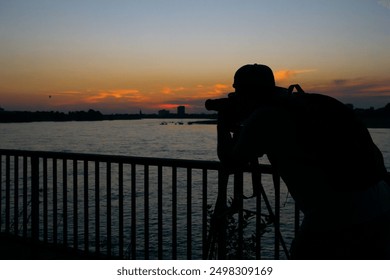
{"x": 122, "y": 56}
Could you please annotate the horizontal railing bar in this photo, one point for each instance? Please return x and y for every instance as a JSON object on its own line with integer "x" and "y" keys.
{"x": 214, "y": 165}
{"x": 151, "y": 161}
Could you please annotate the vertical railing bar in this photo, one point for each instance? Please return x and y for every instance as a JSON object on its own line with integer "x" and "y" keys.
{"x": 146, "y": 210}
{"x": 1, "y": 192}
{"x": 257, "y": 187}
{"x": 258, "y": 218}
{"x": 189, "y": 213}
{"x": 45, "y": 201}
{"x": 16, "y": 195}
{"x": 204, "y": 213}
{"x": 221, "y": 224}
{"x": 65, "y": 202}
{"x": 174, "y": 213}
{"x": 160, "y": 211}
{"x": 97, "y": 208}
{"x": 120, "y": 191}
{"x": 75, "y": 206}
{"x": 35, "y": 198}
{"x": 238, "y": 187}
{"x": 25, "y": 201}
{"x": 133, "y": 241}
{"x": 86, "y": 208}
{"x": 7, "y": 193}
{"x": 276, "y": 181}
{"x": 108, "y": 177}
{"x": 55, "y": 199}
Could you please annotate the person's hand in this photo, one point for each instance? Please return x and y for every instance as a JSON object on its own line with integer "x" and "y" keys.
{"x": 223, "y": 122}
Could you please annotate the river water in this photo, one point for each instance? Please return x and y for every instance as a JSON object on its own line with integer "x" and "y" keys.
{"x": 145, "y": 138}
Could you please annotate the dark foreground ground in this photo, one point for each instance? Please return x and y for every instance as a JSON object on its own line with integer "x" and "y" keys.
{"x": 16, "y": 248}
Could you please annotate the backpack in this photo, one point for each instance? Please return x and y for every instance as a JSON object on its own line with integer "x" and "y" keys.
{"x": 336, "y": 139}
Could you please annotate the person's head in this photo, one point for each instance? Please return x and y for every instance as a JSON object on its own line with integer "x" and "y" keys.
{"x": 254, "y": 81}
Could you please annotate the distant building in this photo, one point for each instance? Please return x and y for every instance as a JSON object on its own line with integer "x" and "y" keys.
{"x": 163, "y": 113}
{"x": 181, "y": 111}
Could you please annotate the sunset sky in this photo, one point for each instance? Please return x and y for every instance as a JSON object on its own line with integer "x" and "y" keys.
{"x": 122, "y": 56}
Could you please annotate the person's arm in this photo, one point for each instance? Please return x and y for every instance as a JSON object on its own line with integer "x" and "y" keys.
{"x": 238, "y": 151}
{"x": 225, "y": 143}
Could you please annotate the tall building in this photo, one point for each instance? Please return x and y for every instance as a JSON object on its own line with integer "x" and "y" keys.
{"x": 181, "y": 111}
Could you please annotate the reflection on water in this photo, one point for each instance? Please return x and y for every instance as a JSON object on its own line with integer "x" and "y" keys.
{"x": 133, "y": 138}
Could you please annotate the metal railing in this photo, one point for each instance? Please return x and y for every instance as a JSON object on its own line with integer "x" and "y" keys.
{"x": 120, "y": 206}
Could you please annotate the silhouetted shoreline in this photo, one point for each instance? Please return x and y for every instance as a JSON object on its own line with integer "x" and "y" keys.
{"x": 90, "y": 115}
{"x": 372, "y": 118}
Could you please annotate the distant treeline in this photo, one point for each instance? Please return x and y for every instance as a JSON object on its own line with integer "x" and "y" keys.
{"x": 90, "y": 115}
{"x": 373, "y": 118}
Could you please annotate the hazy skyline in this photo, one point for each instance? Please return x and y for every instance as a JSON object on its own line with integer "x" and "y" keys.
{"x": 126, "y": 56}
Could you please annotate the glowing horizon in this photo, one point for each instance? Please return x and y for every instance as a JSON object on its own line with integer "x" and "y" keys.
{"x": 80, "y": 55}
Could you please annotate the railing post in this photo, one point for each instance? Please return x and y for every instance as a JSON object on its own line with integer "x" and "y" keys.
{"x": 16, "y": 195}
{"x": 189, "y": 213}
{"x": 238, "y": 199}
{"x": 133, "y": 241}
{"x": 257, "y": 187}
{"x": 97, "y": 207}
{"x": 55, "y": 177}
{"x": 86, "y": 208}
{"x": 204, "y": 212}
{"x": 108, "y": 210}
{"x": 1, "y": 191}
{"x": 174, "y": 213}
{"x": 160, "y": 211}
{"x": 75, "y": 207}
{"x": 35, "y": 198}
{"x": 220, "y": 208}
{"x": 65, "y": 202}
{"x": 25, "y": 200}
{"x": 276, "y": 181}
{"x": 120, "y": 193}
{"x": 146, "y": 211}
{"x": 7, "y": 193}
{"x": 45, "y": 201}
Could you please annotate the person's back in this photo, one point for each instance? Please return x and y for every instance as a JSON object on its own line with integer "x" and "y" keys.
{"x": 334, "y": 140}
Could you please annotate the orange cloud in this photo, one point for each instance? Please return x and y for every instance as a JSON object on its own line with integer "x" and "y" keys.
{"x": 210, "y": 91}
{"x": 197, "y": 92}
{"x": 283, "y": 75}
{"x": 169, "y": 90}
{"x": 132, "y": 95}
{"x": 192, "y": 97}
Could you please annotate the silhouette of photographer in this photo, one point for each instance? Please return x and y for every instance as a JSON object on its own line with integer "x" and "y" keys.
{"x": 323, "y": 153}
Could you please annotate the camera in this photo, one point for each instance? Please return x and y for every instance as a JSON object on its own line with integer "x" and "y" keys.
{"x": 230, "y": 107}
{"x": 222, "y": 104}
